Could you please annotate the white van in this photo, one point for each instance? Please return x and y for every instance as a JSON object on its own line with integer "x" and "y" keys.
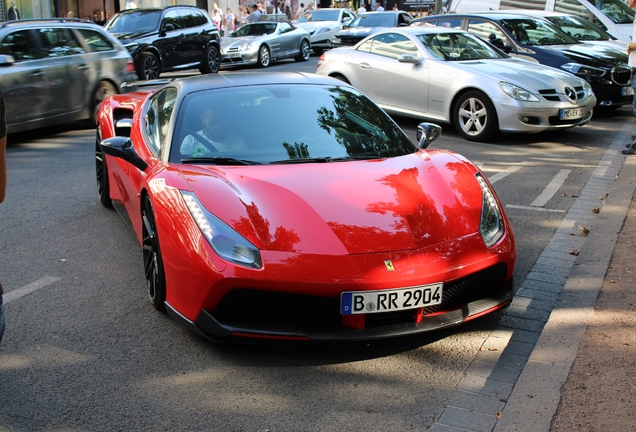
{"x": 612, "y": 15}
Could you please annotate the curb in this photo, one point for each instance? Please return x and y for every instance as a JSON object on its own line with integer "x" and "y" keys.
{"x": 514, "y": 383}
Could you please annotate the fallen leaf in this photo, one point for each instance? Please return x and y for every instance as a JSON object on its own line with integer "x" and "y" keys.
{"x": 530, "y": 396}
{"x": 574, "y": 252}
{"x": 62, "y": 260}
{"x": 564, "y": 194}
{"x": 596, "y": 210}
{"x": 498, "y": 415}
{"x": 574, "y": 195}
{"x": 492, "y": 349}
{"x": 584, "y": 230}
{"x": 613, "y": 281}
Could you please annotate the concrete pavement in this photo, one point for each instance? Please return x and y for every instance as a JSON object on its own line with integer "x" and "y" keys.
{"x": 514, "y": 382}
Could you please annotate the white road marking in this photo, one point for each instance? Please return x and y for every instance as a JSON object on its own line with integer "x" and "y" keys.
{"x": 551, "y": 189}
{"x": 541, "y": 209}
{"x": 503, "y": 174}
{"x": 28, "y": 289}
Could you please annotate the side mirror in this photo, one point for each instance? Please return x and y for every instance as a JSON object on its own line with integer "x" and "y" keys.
{"x": 121, "y": 147}
{"x": 427, "y": 133}
{"x": 168, "y": 27}
{"x": 6, "y": 60}
{"x": 410, "y": 58}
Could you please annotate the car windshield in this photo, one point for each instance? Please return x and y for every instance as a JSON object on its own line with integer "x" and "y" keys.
{"x": 275, "y": 124}
{"x": 374, "y": 20}
{"x": 580, "y": 29}
{"x": 320, "y": 15}
{"x": 457, "y": 46}
{"x": 255, "y": 29}
{"x": 615, "y": 10}
{"x": 529, "y": 32}
{"x": 137, "y": 21}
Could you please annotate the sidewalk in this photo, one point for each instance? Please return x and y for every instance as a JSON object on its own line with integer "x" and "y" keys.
{"x": 515, "y": 382}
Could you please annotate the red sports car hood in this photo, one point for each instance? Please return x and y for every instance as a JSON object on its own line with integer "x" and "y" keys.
{"x": 343, "y": 208}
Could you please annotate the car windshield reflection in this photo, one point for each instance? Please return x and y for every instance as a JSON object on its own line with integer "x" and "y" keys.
{"x": 457, "y": 46}
{"x": 320, "y": 15}
{"x": 256, "y": 29}
{"x": 531, "y": 32}
{"x": 132, "y": 22}
{"x": 278, "y": 124}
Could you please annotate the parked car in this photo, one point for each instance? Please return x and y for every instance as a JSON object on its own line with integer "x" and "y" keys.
{"x": 579, "y": 28}
{"x": 611, "y": 15}
{"x": 57, "y": 70}
{"x": 173, "y": 38}
{"x": 262, "y": 42}
{"x": 325, "y": 222}
{"x": 539, "y": 41}
{"x": 323, "y": 24}
{"x": 452, "y": 76}
{"x": 369, "y": 23}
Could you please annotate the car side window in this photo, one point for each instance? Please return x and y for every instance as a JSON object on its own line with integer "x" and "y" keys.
{"x": 487, "y": 31}
{"x": 393, "y": 45}
{"x": 366, "y": 46}
{"x": 171, "y": 21}
{"x": 199, "y": 17}
{"x": 450, "y": 23}
{"x": 59, "y": 42}
{"x": 187, "y": 18}
{"x": 158, "y": 117}
{"x": 576, "y": 8}
{"x": 96, "y": 41}
{"x": 404, "y": 19}
{"x": 20, "y": 45}
{"x": 284, "y": 27}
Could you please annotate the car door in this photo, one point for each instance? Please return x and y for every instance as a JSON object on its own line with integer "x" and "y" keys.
{"x": 68, "y": 70}
{"x": 190, "y": 46}
{"x": 170, "y": 38}
{"x": 390, "y": 83}
{"x": 23, "y": 84}
{"x": 289, "y": 40}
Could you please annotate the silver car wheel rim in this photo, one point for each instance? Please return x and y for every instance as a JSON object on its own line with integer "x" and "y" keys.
{"x": 305, "y": 51}
{"x": 473, "y": 117}
{"x": 264, "y": 56}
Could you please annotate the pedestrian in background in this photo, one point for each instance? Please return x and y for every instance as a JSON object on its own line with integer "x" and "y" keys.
{"x": 631, "y": 51}
{"x": 255, "y": 16}
{"x": 12, "y": 12}
{"x": 228, "y": 22}
{"x": 3, "y": 187}
{"x": 300, "y": 10}
{"x": 216, "y": 19}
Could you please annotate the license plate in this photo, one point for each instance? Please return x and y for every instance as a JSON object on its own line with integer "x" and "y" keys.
{"x": 365, "y": 302}
{"x": 234, "y": 55}
{"x": 627, "y": 91}
{"x": 572, "y": 113}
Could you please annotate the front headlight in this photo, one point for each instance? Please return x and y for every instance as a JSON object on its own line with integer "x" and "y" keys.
{"x": 517, "y": 92}
{"x": 226, "y": 242}
{"x": 491, "y": 226}
{"x": 583, "y": 70}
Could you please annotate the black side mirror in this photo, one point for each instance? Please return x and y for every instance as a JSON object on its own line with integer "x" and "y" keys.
{"x": 121, "y": 147}
{"x": 427, "y": 133}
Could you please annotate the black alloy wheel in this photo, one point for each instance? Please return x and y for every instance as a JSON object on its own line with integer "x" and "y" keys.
{"x": 101, "y": 173}
{"x": 149, "y": 67}
{"x": 212, "y": 61}
{"x": 153, "y": 264}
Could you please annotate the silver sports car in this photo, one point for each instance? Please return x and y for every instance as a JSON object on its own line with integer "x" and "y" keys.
{"x": 262, "y": 42}
{"x": 454, "y": 77}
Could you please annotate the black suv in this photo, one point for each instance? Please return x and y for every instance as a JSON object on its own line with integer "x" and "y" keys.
{"x": 162, "y": 40}
{"x": 537, "y": 40}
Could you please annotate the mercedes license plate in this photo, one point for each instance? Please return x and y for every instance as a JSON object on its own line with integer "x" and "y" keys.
{"x": 364, "y": 302}
{"x": 627, "y": 91}
{"x": 234, "y": 55}
{"x": 572, "y": 113}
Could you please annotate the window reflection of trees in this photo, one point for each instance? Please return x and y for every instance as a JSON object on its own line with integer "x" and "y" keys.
{"x": 361, "y": 128}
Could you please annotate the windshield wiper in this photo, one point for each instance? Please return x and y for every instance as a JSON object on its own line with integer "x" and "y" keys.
{"x": 219, "y": 160}
{"x": 303, "y": 160}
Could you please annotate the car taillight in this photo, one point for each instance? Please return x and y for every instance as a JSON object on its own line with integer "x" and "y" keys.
{"x": 321, "y": 59}
{"x": 130, "y": 66}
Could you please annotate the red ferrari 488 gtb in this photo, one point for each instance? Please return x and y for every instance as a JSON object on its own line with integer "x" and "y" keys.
{"x": 289, "y": 206}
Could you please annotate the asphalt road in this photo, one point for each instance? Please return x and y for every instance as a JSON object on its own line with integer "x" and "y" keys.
{"x": 84, "y": 350}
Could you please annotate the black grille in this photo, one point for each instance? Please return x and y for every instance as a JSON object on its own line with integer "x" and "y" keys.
{"x": 559, "y": 96}
{"x": 249, "y": 308}
{"x": 621, "y": 75}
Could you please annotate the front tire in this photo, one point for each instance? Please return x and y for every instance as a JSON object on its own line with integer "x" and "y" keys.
{"x": 212, "y": 61}
{"x": 101, "y": 173}
{"x": 305, "y": 51}
{"x": 149, "y": 67}
{"x": 264, "y": 56}
{"x": 475, "y": 117}
{"x": 153, "y": 263}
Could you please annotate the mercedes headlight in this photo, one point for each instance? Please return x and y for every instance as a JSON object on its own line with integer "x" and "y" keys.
{"x": 226, "y": 242}
{"x": 517, "y": 92}
{"x": 491, "y": 226}
{"x": 583, "y": 70}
